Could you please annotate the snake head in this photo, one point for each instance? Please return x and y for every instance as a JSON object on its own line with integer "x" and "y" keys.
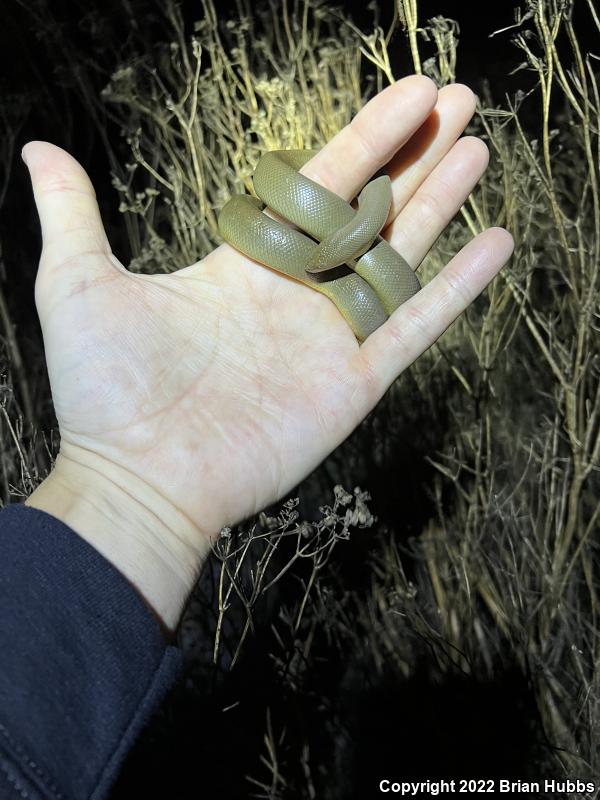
{"x": 351, "y": 241}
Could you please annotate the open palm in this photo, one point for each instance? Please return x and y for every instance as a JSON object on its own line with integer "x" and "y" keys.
{"x": 222, "y": 385}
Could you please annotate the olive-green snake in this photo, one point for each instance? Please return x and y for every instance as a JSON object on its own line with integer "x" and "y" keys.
{"x": 349, "y": 262}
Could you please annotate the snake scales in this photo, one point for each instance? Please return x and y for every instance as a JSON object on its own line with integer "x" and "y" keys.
{"x": 345, "y": 259}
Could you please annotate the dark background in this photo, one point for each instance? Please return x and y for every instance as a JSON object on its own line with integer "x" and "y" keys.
{"x": 38, "y": 67}
{"x": 417, "y": 728}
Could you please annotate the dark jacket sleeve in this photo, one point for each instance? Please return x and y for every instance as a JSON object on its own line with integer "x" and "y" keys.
{"x": 83, "y": 662}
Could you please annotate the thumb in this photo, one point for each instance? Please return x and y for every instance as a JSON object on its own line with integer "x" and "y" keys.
{"x": 73, "y": 236}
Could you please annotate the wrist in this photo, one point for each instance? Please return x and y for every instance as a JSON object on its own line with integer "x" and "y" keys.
{"x": 156, "y": 547}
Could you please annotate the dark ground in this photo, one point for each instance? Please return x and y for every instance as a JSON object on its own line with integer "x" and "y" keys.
{"x": 368, "y": 728}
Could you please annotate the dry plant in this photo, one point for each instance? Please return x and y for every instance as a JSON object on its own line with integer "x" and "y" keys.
{"x": 20, "y": 457}
{"x": 506, "y": 568}
{"x": 274, "y": 551}
{"x": 198, "y": 115}
{"x": 509, "y": 565}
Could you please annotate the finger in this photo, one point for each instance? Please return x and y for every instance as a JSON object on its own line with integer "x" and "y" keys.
{"x": 370, "y": 140}
{"x": 432, "y": 141}
{"x": 419, "y": 322}
{"x": 66, "y": 204}
{"x": 439, "y": 198}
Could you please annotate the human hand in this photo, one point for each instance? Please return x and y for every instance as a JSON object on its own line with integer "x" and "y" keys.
{"x": 190, "y": 401}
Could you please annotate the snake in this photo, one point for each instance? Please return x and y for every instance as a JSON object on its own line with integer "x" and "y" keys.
{"x": 335, "y": 248}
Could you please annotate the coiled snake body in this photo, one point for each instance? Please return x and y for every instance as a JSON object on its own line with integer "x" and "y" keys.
{"x": 349, "y": 262}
